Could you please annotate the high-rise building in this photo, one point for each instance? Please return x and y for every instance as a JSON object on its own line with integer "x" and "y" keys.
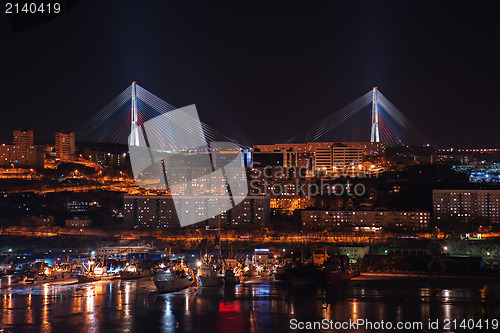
{"x": 345, "y": 157}
{"x": 5, "y": 153}
{"x": 338, "y": 157}
{"x": 481, "y": 206}
{"x": 23, "y": 153}
{"x": 23, "y": 138}
{"x": 322, "y": 156}
{"x": 365, "y": 220}
{"x": 159, "y": 211}
{"x": 35, "y": 156}
{"x": 65, "y": 145}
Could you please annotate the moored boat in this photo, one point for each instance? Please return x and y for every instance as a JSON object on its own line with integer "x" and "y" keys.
{"x": 131, "y": 272}
{"x": 296, "y": 275}
{"x": 208, "y": 277}
{"x": 176, "y": 277}
{"x": 93, "y": 273}
{"x": 336, "y": 269}
{"x": 84, "y": 278}
{"x": 171, "y": 280}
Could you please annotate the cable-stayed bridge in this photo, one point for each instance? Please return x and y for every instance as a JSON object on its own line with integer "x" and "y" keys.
{"x": 370, "y": 118}
{"x": 130, "y": 110}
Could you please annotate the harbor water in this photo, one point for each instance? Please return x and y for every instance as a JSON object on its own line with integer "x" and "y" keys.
{"x": 136, "y": 306}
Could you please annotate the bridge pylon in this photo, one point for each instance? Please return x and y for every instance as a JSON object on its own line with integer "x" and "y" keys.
{"x": 134, "y": 128}
{"x": 375, "y": 136}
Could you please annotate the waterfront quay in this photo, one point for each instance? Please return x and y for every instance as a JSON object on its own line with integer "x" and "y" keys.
{"x": 257, "y": 236}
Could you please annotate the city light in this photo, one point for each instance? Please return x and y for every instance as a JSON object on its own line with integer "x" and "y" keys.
{"x": 352, "y": 149}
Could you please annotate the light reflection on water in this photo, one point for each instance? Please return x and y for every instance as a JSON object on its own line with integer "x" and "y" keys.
{"x": 135, "y": 306}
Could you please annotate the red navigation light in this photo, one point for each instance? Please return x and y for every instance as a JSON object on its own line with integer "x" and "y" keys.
{"x": 134, "y": 82}
{"x": 375, "y": 87}
{"x": 228, "y": 307}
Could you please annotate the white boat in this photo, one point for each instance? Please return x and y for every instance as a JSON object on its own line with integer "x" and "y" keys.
{"x": 208, "y": 277}
{"x": 167, "y": 281}
{"x": 94, "y": 272}
{"x": 131, "y": 272}
{"x": 265, "y": 273}
{"x": 251, "y": 271}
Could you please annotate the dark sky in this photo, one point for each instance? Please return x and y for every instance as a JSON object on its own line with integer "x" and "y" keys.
{"x": 260, "y": 71}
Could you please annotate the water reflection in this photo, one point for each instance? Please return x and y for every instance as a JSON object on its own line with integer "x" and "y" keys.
{"x": 129, "y": 306}
{"x": 45, "y": 309}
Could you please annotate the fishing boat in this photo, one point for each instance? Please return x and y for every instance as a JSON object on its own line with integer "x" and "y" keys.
{"x": 265, "y": 272}
{"x": 132, "y": 272}
{"x": 94, "y": 272}
{"x": 88, "y": 277}
{"x": 209, "y": 277}
{"x": 335, "y": 269}
{"x": 250, "y": 271}
{"x": 173, "y": 279}
{"x": 296, "y": 274}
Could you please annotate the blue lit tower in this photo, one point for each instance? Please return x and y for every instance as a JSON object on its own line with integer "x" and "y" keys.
{"x": 374, "y": 137}
{"x": 134, "y": 129}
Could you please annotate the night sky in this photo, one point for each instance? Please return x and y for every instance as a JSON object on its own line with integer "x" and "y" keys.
{"x": 260, "y": 71}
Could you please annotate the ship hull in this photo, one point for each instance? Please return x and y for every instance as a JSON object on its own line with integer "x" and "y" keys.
{"x": 86, "y": 278}
{"x": 210, "y": 281}
{"x": 332, "y": 277}
{"x": 167, "y": 282}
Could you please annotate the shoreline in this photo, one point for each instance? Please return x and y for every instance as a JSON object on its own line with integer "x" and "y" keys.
{"x": 388, "y": 276}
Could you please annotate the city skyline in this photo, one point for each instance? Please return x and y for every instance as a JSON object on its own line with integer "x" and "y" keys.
{"x": 256, "y": 79}
{"x": 249, "y": 166}
{"x": 349, "y": 124}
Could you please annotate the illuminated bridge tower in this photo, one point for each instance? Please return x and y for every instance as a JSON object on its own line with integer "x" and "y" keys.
{"x": 134, "y": 129}
{"x": 374, "y": 137}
